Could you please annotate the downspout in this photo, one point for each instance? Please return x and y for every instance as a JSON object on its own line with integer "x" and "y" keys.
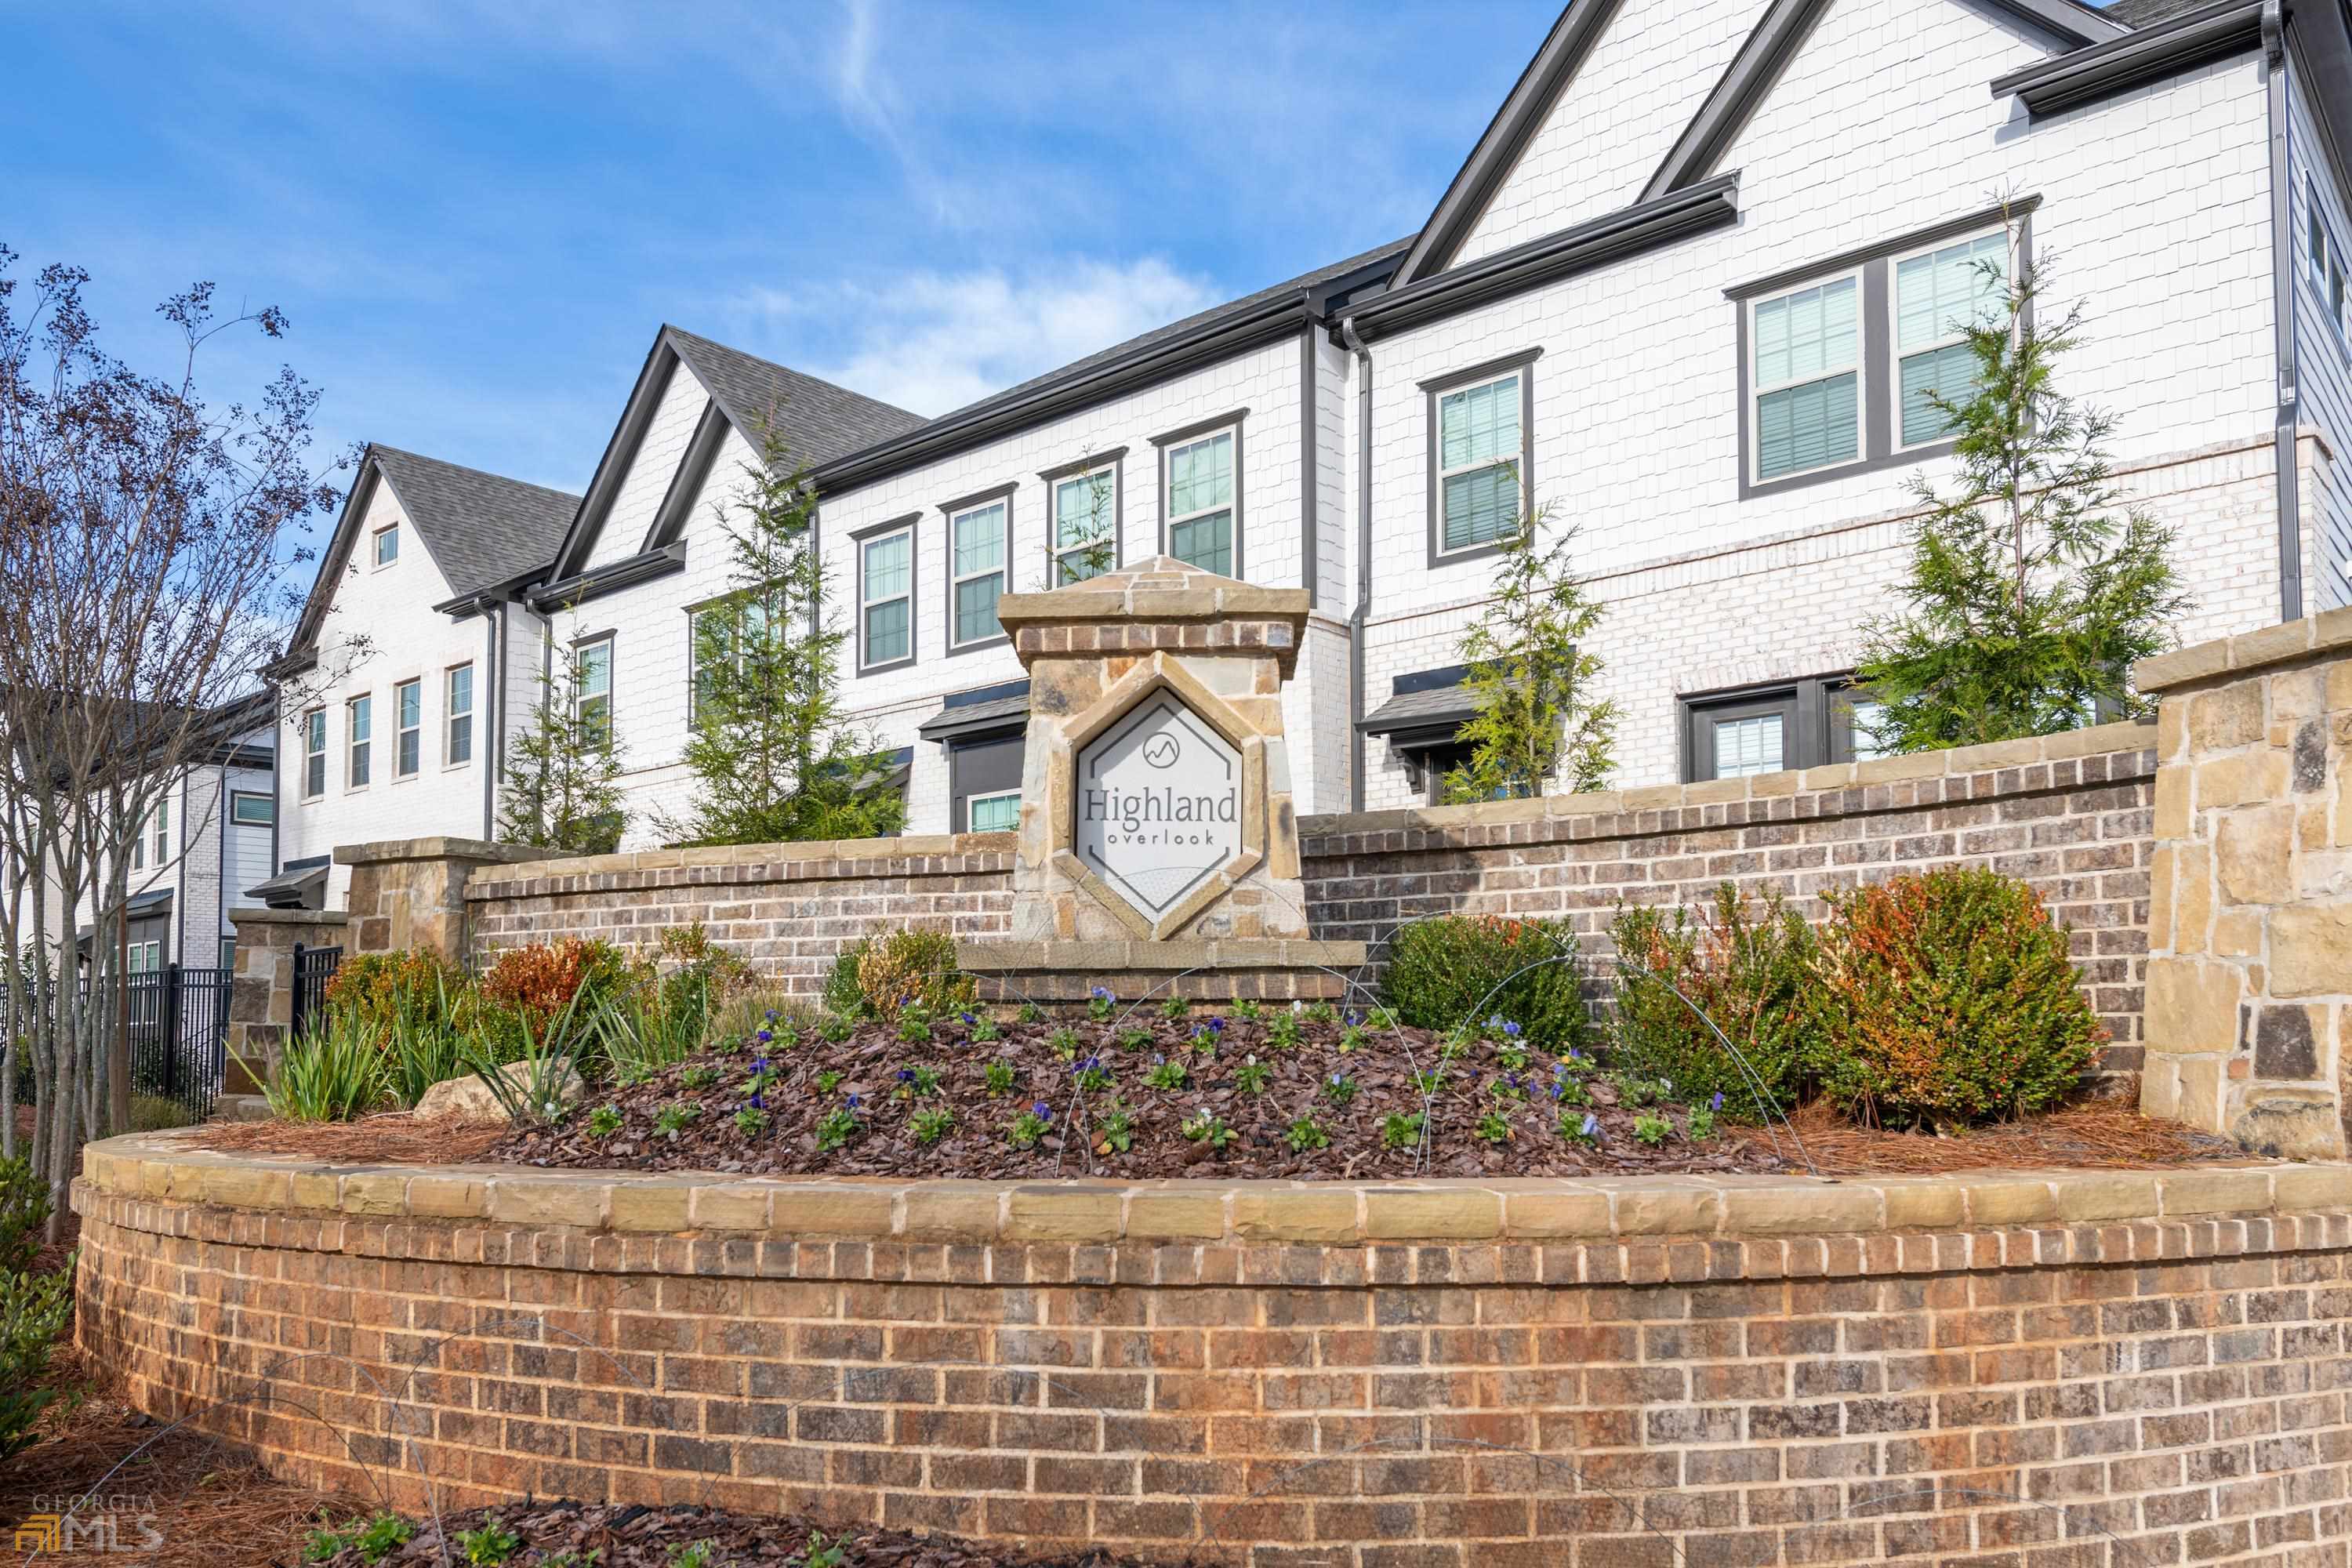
{"x": 494, "y": 618}
{"x": 2283, "y": 291}
{"x": 1363, "y": 561}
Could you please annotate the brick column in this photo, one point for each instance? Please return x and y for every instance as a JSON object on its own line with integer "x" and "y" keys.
{"x": 2249, "y": 923}
{"x": 261, "y": 988}
{"x": 411, "y": 892}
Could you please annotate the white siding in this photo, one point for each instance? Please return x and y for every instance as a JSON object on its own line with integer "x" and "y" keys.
{"x": 1615, "y": 120}
{"x": 380, "y": 630}
{"x": 2323, "y": 352}
{"x": 640, "y": 495}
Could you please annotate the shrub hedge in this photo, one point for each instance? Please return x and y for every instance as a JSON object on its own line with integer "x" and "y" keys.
{"x": 1745, "y": 964}
{"x": 1461, "y": 969}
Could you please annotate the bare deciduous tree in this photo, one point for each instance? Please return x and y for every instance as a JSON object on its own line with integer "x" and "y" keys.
{"x": 145, "y": 541}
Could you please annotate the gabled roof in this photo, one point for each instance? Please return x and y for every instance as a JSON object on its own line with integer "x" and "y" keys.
{"x": 1214, "y": 333}
{"x": 480, "y": 529}
{"x": 818, "y": 421}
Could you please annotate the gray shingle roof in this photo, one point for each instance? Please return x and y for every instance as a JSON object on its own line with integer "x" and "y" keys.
{"x": 957, "y": 718}
{"x": 482, "y": 529}
{"x": 1415, "y": 710}
{"x": 821, "y": 421}
{"x": 2148, "y": 13}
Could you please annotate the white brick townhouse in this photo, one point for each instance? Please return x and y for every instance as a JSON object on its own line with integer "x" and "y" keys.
{"x": 1689, "y": 284}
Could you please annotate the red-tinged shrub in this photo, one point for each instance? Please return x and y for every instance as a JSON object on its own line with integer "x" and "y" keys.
{"x": 1950, "y": 999}
{"x": 537, "y": 983}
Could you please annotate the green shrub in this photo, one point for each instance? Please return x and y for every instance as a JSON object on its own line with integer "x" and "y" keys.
{"x": 333, "y": 1072}
{"x": 1748, "y": 965}
{"x": 1461, "y": 969}
{"x": 34, "y": 1308}
{"x": 877, "y": 976}
{"x": 1949, "y": 999}
{"x": 383, "y": 988}
{"x": 420, "y": 1052}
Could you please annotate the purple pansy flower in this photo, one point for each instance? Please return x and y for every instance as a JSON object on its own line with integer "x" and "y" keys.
{"x": 1591, "y": 1125}
{"x": 1043, "y": 1111}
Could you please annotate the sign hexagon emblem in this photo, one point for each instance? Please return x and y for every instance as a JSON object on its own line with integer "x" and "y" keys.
{"x": 1157, "y": 804}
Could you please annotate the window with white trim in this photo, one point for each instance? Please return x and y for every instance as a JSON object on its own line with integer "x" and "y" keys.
{"x": 592, "y": 689}
{"x": 1788, "y": 724}
{"x": 314, "y": 753}
{"x": 997, "y": 813}
{"x": 248, "y": 810}
{"x": 457, "y": 710}
{"x": 1200, "y": 502}
{"x": 1479, "y": 445}
{"x": 1085, "y": 521}
{"x": 1940, "y": 294}
{"x": 977, "y": 556}
{"x": 161, "y": 824}
{"x": 359, "y": 726}
{"x": 387, "y": 545}
{"x": 408, "y": 733}
{"x": 886, "y": 598}
{"x": 1805, "y": 377}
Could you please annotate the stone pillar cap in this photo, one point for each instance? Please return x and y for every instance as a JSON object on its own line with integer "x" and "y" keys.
{"x": 1161, "y": 589}
{"x": 439, "y": 848}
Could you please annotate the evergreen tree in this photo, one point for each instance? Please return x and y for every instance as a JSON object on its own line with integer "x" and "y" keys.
{"x": 1529, "y": 679}
{"x": 561, "y": 788}
{"x": 2032, "y": 585}
{"x": 774, "y": 759}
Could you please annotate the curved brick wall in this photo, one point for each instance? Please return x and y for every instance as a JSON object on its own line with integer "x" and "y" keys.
{"x": 2078, "y": 1368}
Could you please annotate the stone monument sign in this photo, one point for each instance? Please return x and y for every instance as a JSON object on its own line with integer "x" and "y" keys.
{"x": 1159, "y": 844}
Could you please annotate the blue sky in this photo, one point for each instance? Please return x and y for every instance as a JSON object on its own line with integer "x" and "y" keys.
{"x": 477, "y": 216}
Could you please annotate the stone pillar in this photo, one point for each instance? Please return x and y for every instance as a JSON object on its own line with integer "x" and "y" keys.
{"x": 2249, "y": 923}
{"x": 1158, "y": 840}
{"x": 261, "y": 988}
{"x": 411, "y": 892}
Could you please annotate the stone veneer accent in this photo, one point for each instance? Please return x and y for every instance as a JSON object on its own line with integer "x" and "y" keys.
{"x": 261, "y": 985}
{"x": 2005, "y": 1368}
{"x": 2071, "y": 813}
{"x": 2250, "y": 926}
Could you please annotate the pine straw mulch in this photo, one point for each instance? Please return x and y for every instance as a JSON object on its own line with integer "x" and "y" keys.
{"x": 396, "y": 1137}
{"x": 632, "y": 1536}
{"x": 2090, "y": 1135}
{"x": 211, "y": 1504}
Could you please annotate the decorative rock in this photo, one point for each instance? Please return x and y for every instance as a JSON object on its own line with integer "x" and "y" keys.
{"x": 470, "y": 1097}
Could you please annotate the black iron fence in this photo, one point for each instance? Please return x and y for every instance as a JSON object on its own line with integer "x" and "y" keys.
{"x": 313, "y": 967}
{"x": 178, "y": 1025}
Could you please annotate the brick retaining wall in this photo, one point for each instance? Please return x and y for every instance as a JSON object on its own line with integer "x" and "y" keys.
{"x": 2072, "y": 814}
{"x": 2071, "y": 1368}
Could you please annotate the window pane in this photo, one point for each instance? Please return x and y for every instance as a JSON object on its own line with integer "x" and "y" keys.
{"x": 1744, "y": 746}
{"x": 363, "y": 718}
{"x": 1479, "y": 424}
{"x": 976, "y": 607}
{"x": 411, "y": 751}
{"x": 885, "y": 632}
{"x": 596, "y": 670}
{"x": 410, "y": 695}
{"x": 1807, "y": 426}
{"x": 888, "y": 562}
{"x": 994, "y": 812}
{"x": 1481, "y": 505}
{"x": 980, "y": 540}
{"x": 1201, "y": 476}
{"x": 1940, "y": 293}
{"x": 461, "y": 739}
{"x": 1206, "y": 541}
{"x": 461, "y": 690}
{"x": 387, "y": 547}
{"x": 1803, "y": 334}
{"x": 315, "y": 737}
{"x": 1083, "y": 523}
{"x": 1864, "y": 715}
{"x": 1949, "y": 371}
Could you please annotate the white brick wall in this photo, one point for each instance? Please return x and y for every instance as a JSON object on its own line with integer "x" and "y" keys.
{"x": 379, "y": 630}
{"x": 640, "y": 494}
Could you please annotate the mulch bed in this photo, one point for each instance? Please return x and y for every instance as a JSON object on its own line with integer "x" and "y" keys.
{"x": 401, "y": 1137}
{"x": 210, "y": 1503}
{"x": 2098, "y": 1135}
{"x": 630, "y": 1536}
{"x": 1378, "y": 1073}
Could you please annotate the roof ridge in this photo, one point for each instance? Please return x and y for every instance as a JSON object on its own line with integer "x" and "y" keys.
{"x": 415, "y": 455}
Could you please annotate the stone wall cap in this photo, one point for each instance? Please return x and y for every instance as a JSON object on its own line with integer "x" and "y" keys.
{"x": 439, "y": 848}
{"x": 2266, "y": 648}
{"x": 1105, "y": 1210}
{"x": 995, "y": 957}
{"x": 258, "y": 915}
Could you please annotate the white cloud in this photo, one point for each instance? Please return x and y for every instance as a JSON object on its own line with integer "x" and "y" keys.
{"x": 931, "y": 342}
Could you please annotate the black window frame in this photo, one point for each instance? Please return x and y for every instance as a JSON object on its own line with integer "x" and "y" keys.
{"x": 910, "y": 525}
{"x": 1434, "y": 392}
{"x": 976, "y": 765}
{"x": 1810, "y": 734}
{"x": 1879, "y": 439}
{"x": 1202, "y": 430}
{"x": 1114, "y": 461}
{"x": 964, "y": 506}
